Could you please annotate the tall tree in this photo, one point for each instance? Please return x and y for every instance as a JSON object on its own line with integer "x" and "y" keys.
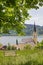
{"x": 13, "y": 13}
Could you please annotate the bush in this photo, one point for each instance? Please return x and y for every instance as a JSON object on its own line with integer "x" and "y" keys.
{"x": 41, "y": 42}
{"x": 39, "y": 45}
{"x": 13, "y": 48}
{"x": 9, "y": 47}
{"x": 27, "y": 47}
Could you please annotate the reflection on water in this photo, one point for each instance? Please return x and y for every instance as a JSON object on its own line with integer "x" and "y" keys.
{"x": 12, "y": 39}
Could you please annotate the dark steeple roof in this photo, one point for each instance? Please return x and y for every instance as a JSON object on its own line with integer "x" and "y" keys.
{"x": 34, "y": 27}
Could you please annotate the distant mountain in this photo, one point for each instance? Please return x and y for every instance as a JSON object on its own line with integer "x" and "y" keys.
{"x": 29, "y": 29}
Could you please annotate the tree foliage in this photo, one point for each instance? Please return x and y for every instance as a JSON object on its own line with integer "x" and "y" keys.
{"x": 13, "y": 13}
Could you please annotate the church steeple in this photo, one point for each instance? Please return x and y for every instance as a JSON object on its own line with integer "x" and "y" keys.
{"x": 34, "y": 27}
{"x": 35, "y": 34}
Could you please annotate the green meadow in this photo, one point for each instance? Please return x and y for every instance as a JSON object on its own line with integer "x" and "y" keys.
{"x": 27, "y": 56}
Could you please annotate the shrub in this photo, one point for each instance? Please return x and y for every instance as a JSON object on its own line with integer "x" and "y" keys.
{"x": 9, "y": 47}
{"x": 27, "y": 47}
{"x": 41, "y": 42}
{"x": 13, "y": 48}
{"x": 39, "y": 45}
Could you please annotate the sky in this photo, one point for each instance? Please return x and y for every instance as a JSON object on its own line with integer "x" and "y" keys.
{"x": 37, "y": 17}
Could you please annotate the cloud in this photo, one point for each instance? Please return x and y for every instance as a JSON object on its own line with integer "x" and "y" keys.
{"x": 37, "y": 16}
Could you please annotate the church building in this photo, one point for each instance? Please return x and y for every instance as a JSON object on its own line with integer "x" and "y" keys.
{"x": 32, "y": 41}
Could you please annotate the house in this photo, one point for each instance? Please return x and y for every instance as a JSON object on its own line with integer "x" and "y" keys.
{"x": 3, "y": 47}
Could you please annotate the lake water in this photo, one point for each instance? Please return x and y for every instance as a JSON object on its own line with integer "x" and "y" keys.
{"x": 12, "y": 39}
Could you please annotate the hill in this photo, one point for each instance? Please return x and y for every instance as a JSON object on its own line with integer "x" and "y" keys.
{"x": 29, "y": 29}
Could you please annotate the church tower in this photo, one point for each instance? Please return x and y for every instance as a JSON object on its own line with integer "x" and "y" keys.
{"x": 35, "y": 34}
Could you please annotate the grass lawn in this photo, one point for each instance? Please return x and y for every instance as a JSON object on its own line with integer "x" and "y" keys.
{"x": 23, "y": 57}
